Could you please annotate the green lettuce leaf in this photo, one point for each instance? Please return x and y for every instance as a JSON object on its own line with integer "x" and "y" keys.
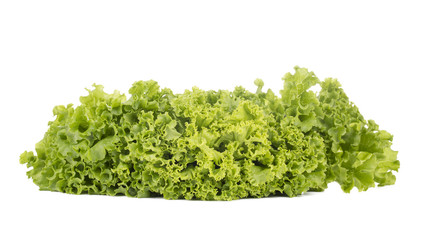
{"x": 212, "y": 145}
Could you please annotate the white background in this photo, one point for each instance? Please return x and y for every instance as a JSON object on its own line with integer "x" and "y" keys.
{"x": 51, "y": 50}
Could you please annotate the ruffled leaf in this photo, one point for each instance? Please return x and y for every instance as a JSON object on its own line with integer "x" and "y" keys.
{"x": 212, "y": 145}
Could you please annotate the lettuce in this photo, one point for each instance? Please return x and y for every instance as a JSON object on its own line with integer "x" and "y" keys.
{"x": 212, "y": 145}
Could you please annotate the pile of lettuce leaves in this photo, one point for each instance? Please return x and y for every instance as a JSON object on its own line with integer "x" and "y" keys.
{"x": 213, "y": 145}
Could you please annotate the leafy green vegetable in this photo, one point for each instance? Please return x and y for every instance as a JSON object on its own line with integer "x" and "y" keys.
{"x": 213, "y": 145}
